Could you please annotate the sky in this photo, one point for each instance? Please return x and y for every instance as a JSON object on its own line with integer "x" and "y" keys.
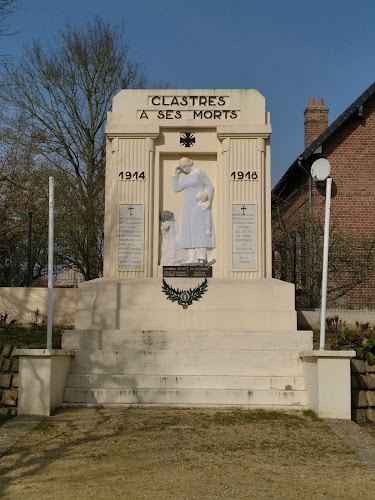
{"x": 289, "y": 50}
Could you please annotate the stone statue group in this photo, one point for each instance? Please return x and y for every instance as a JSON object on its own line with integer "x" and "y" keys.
{"x": 189, "y": 246}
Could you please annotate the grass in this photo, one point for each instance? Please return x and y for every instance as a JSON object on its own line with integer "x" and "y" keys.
{"x": 180, "y": 454}
{"x": 5, "y": 418}
{"x": 369, "y": 427}
{"x": 236, "y": 417}
{"x": 311, "y": 414}
{"x": 46, "y": 427}
{"x": 30, "y": 337}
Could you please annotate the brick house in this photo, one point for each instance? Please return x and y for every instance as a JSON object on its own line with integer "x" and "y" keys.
{"x": 298, "y": 204}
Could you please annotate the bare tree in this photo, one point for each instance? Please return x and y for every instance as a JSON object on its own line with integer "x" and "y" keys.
{"x": 65, "y": 91}
{"x": 22, "y": 181}
{"x": 7, "y": 8}
{"x": 298, "y": 258}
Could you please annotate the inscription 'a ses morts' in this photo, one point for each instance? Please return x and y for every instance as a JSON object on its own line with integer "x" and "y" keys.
{"x": 209, "y": 107}
{"x": 130, "y": 248}
{"x": 244, "y": 237}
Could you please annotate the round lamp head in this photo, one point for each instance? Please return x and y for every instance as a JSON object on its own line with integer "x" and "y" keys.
{"x": 320, "y": 169}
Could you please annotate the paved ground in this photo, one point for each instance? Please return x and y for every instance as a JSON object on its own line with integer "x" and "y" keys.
{"x": 182, "y": 454}
{"x": 357, "y": 438}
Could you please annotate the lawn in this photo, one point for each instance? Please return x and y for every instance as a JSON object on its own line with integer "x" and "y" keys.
{"x": 182, "y": 454}
{"x": 4, "y": 419}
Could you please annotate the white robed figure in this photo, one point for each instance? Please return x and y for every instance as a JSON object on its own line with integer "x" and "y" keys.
{"x": 197, "y": 230}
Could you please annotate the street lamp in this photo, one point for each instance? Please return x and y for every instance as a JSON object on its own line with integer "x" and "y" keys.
{"x": 320, "y": 170}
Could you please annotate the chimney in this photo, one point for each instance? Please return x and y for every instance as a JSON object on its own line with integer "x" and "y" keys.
{"x": 316, "y": 120}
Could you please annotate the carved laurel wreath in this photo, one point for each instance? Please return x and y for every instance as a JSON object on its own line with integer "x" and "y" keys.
{"x": 184, "y": 298}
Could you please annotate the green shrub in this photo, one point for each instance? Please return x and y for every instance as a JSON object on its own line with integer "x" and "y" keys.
{"x": 362, "y": 342}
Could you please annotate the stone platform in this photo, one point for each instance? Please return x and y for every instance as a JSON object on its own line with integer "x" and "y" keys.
{"x": 252, "y": 305}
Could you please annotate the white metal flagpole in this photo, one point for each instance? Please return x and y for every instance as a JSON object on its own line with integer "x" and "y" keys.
{"x": 50, "y": 263}
{"x": 325, "y": 265}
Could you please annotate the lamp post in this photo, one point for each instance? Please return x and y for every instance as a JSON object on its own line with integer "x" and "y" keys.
{"x": 50, "y": 263}
{"x": 28, "y": 270}
{"x": 320, "y": 170}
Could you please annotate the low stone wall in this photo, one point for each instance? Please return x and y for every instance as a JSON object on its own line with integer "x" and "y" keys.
{"x": 309, "y": 319}
{"x": 363, "y": 391}
{"x": 8, "y": 381}
{"x": 22, "y": 304}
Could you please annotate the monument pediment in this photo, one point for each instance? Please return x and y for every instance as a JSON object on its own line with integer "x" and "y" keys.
{"x": 184, "y": 107}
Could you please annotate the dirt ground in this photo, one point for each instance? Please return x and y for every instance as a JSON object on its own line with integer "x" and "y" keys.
{"x": 369, "y": 427}
{"x": 182, "y": 454}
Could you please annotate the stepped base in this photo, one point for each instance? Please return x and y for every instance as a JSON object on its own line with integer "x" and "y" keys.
{"x": 242, "y": 406}
{"x": 198, "y": 368}
{"x": 99, "y": 381}
{"x": 190, "y": 397}
{"x": 218, "y": 365}
{"x": 208, "y": 362}
{"x": 186, "y": 340}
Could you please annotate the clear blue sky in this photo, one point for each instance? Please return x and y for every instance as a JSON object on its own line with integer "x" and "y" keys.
{"x": 289, "y": 50}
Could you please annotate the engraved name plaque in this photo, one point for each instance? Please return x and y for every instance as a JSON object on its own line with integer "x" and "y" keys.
{"x": 130, "y": 245}
{"x": 244, "y": 237}
{"x": 187, "y": 272}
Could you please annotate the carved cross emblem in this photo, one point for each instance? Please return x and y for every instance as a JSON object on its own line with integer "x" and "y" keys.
{"x": 187, "y": 139}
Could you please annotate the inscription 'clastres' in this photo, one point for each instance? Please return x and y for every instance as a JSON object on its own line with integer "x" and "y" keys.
{"x": 172, "y": 108}
{"x": 184, "y": 100}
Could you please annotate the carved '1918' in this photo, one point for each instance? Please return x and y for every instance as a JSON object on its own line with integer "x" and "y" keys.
{"x": 244, "y": 176}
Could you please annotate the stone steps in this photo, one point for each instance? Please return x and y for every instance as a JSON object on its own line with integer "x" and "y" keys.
{"x": 183, "y": 340}
{"x": 100, "y": 381}
{"x": 189, "y": 397}
{"x": 257, "y": 369}
{"x": 188, "y": 362}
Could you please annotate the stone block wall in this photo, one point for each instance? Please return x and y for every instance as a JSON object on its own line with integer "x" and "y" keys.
{"x": 8, "y": 381}
{"x": 309, "y": 319}
{"x": 363, "y": 391}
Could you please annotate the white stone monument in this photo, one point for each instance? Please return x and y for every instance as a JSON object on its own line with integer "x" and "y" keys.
{"x": 224, "y": 136}
{"x": 187, "y": 182}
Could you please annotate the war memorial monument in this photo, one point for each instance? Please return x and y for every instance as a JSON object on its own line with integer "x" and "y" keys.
{"x": 187, "y": 312}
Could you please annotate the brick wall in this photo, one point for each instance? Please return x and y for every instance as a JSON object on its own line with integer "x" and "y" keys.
{"x": 351, "y": 153}
{"x": 316, "y": 120}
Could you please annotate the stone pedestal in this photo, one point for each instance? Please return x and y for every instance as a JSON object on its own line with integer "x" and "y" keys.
{"x": 327, "y": 378}
{"x": 42, "y": 374}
